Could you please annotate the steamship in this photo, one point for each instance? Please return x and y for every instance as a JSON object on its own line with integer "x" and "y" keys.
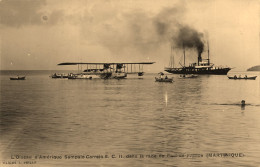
{"x": 202, "y": 66}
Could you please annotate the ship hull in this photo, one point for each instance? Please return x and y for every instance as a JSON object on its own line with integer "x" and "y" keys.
{"x": 193, "y": 70}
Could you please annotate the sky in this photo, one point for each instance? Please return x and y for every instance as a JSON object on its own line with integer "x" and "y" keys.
{"x": 39, "y": 34}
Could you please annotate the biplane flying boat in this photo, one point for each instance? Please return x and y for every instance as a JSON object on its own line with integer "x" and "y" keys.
{"x": 107, "y": 70}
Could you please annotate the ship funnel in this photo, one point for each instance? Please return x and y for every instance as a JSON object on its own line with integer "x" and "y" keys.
{"x": 199, "y": 58}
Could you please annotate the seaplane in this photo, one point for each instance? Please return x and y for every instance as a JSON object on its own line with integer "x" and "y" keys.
{"x": 106, "y": 70}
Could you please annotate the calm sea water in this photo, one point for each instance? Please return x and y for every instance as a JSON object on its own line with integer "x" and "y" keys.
{"x": 131, "y": 117}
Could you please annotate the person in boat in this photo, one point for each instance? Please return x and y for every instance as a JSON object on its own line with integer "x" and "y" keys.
{"x": 161, "y": 76}
{"x": 166, "y": 77}
{"x": 245, "y": 76}
{"x": 235, "y": 76}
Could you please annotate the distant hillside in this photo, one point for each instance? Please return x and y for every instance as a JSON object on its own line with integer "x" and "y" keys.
{"x": 255, "y": 68}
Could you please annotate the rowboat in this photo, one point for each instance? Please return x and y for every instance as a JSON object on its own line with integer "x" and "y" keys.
{"x": 246, "y": 77}
{"x": 163, "y": 79}
{"x": 17, "y": 78}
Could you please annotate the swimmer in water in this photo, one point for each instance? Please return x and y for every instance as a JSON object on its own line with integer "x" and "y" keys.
{"x": 243, "y": 104}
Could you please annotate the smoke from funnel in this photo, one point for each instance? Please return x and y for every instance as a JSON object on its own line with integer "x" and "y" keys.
{"x": 169, "y": 21}
{"x": 188, "y": 37}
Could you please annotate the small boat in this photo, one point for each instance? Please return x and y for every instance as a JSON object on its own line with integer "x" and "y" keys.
{"x": 245, "y": 77}
{"x": 17, "y": 78}
{"x": 188, "y": 76}
{"x": 163, "y": 79}
{"x": 59, "y": 75}
{"x": 140, "y": 73}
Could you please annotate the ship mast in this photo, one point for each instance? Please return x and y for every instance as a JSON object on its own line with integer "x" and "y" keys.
{"x": 208, "y": 53}
{"x": 172, "y": 58}
{"x": 184, "y": 55}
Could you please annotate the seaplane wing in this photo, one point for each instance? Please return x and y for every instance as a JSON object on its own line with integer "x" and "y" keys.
{"x": 79, "y": 63}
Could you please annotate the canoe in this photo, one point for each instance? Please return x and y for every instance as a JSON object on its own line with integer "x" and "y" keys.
{"x": 246, "y": 78}
{"x": 17, "y": 78}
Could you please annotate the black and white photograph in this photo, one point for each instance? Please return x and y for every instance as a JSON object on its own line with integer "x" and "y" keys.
{"x": 129, "y": 83}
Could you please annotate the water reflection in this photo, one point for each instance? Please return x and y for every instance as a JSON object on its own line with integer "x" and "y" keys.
{"x": 166, "y": 98}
